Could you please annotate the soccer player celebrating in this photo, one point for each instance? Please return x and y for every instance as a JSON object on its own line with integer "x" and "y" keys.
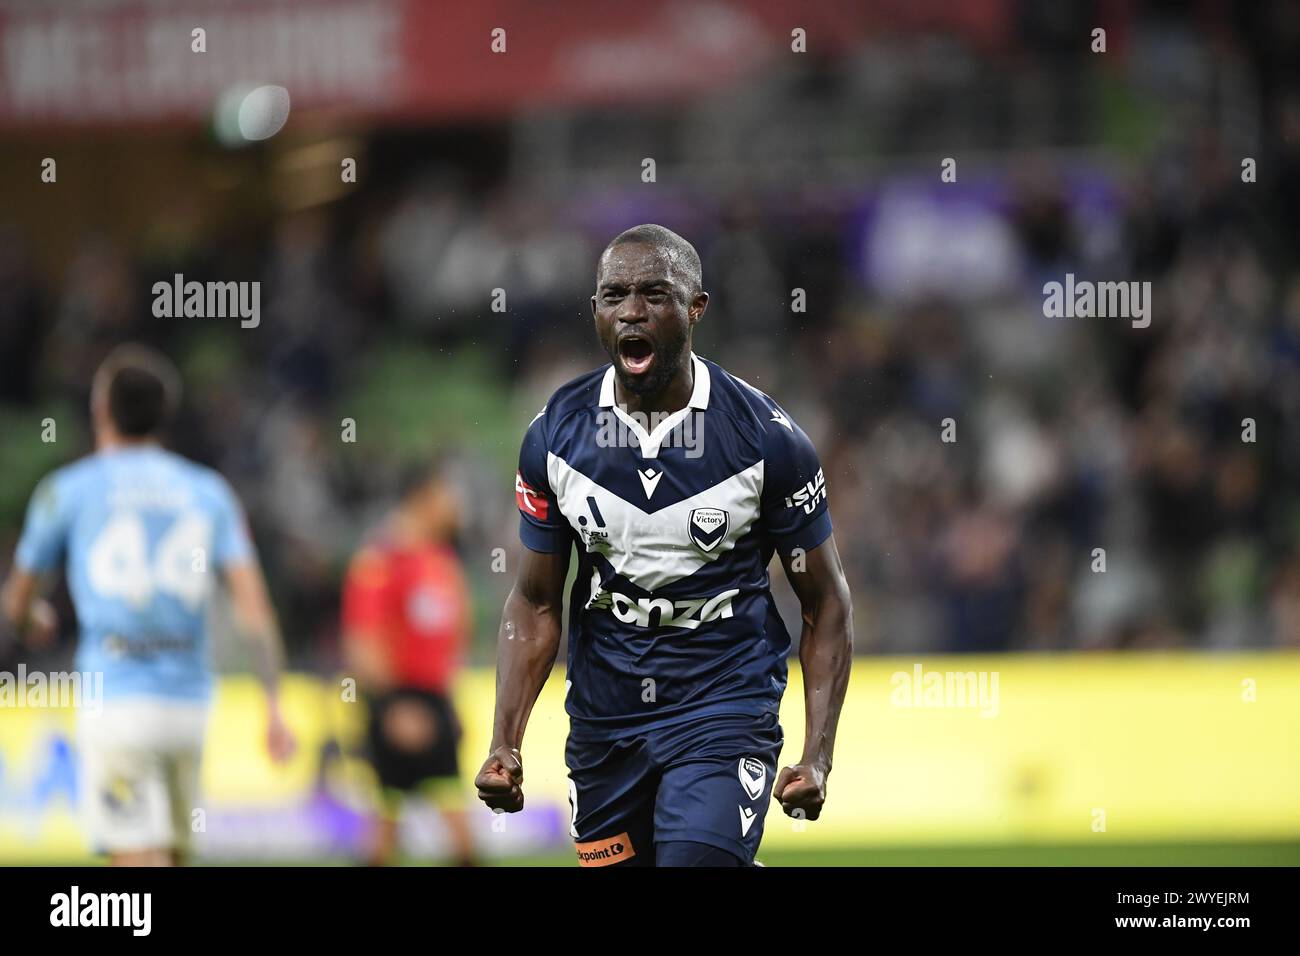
{"x": 406, "y": 620}
{"x": 676, "y": 482}
{"x": 142, "y": 530}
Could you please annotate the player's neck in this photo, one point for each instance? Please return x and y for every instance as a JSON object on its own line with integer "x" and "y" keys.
{"x": 673, "y": 397}
{"x": 115, "y": 442}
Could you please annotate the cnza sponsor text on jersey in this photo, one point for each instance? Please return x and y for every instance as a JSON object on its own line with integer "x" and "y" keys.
{"x": 661, "y": 612}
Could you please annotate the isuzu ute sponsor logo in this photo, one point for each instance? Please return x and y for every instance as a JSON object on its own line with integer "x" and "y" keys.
{"x": 808, "y": 496}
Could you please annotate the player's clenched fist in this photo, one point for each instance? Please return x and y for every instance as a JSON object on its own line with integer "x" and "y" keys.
{"x": 500, "y": 782}
{"x": 801, "y": 790}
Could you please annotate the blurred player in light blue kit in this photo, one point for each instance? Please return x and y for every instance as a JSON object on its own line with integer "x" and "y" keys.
{"x": 142, "y": 533}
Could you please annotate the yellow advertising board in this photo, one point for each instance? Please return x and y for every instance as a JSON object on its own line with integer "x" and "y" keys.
{"x": 935, "y": 751}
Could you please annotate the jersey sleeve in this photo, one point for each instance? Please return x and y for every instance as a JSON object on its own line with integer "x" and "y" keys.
{"x": 541, "y": 526}
{"x": 45, "y": 531}
{"x": 231, "y": 541}
{"x": 795, "y": 510}
{"x": 365, "y": 593}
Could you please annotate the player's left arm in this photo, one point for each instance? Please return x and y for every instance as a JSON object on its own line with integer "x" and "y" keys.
{"x": 40, "y": 549}
{"x": 796, "y": 516}
{"x": 826, "y": 656}
{"x": 31, "y": 615}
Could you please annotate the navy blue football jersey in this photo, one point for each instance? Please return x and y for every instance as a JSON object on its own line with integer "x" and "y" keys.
{"x": 675, "y": 521}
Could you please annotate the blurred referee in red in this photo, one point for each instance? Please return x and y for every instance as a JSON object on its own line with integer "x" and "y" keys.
{"x": 406, "y": 621}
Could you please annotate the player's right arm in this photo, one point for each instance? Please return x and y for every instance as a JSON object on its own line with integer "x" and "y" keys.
{"x": 530, "y": 624}
{"x": 526, "y": 649}
{"x": 254, "y": 615}
{"x": 256, "y": 622}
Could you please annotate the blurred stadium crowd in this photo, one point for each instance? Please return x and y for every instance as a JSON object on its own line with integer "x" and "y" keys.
{"x": 924, "y": 302}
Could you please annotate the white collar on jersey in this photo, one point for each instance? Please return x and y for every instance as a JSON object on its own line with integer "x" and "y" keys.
{"x": 650, "y": 442}
{"x": 699, "y": 394}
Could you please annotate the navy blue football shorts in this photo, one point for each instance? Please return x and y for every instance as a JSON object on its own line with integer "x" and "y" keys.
{"x": 706, "y": 781}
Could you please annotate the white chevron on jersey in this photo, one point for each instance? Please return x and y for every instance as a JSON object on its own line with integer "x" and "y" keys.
{"x": 654, "y": 550}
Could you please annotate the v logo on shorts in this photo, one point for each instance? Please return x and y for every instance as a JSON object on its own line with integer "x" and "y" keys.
{"x": 753, "y": 775}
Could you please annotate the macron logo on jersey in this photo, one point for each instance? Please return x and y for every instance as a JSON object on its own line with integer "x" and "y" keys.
{"x": 747, "y": 818}
{"x": 528, "y": 500}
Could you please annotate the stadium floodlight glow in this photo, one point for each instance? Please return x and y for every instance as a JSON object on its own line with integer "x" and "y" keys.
{"x": 246, "y": 114}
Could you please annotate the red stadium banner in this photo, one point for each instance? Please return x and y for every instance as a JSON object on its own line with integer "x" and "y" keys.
{"x": 133, "y": 62}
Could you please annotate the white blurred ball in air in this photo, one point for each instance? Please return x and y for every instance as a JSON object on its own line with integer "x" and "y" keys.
{"x": 263, "y": 112}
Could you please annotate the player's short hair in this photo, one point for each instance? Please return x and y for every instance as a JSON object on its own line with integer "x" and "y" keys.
{"x": 680, "y": 252}
{"x": 143, "y": 389}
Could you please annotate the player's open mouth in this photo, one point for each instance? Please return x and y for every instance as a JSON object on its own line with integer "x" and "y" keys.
{"x": 635, "y": 353}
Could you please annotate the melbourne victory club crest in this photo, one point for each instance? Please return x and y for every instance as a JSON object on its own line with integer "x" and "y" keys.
{"x": 753, "y": 776}
{"x": 707, "y": 527}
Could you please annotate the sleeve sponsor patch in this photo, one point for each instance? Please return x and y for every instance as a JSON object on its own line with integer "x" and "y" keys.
{"x": 530, "y": 502}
